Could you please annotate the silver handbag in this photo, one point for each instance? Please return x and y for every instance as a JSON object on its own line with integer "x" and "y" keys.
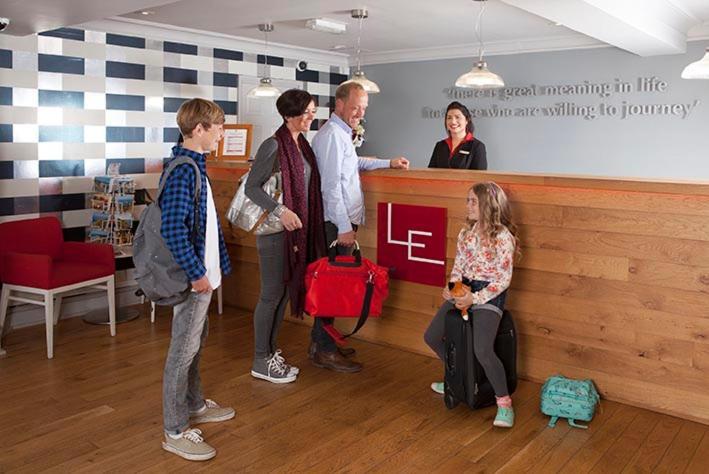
{"x": 246, "y": 215}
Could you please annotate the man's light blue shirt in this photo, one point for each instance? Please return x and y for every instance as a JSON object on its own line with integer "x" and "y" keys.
{"x": 339, "y": 168}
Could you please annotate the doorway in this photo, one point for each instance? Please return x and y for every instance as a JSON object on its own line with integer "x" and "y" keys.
{"x": 261, "y": 112}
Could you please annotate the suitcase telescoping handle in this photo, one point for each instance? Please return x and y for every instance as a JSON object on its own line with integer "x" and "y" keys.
{"x": 332, "y": 256}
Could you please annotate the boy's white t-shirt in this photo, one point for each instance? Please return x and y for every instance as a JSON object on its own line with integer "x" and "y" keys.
{"x": 211, "y": 251}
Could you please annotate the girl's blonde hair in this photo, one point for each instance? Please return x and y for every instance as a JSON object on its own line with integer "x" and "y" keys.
{"x": 495, "y": 212}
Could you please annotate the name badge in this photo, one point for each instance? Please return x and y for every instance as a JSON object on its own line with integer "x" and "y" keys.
{"x": 463, "y": 152}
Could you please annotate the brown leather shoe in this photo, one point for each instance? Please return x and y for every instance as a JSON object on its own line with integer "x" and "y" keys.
{"x": 345, "y": 351}
{"x": 335, "y": 361}
{"x": 312, "y": 349}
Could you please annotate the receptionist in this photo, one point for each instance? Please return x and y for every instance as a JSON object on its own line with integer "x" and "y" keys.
{"x": 461, "y": 149}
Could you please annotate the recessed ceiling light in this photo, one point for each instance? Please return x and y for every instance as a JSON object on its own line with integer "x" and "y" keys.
{"x": 147, "y": 12}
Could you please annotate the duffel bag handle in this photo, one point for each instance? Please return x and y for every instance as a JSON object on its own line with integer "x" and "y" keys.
{"x": 332, "y": 255}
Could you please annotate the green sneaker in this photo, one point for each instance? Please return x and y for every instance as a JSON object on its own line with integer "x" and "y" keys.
{"x": 505, "y": 417}
{"x": 438, "y": 387}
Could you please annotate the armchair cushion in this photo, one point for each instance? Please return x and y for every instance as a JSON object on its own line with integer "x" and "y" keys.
{"x": 68, "y": 273}
{"x": 27, "y": 269}
{"x": 40, "y": 271}
{"x": 101, "y": 254}
{"x": 33, "y": 253}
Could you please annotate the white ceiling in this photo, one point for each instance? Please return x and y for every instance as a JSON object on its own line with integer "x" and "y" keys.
{"x": 399, "y": 30}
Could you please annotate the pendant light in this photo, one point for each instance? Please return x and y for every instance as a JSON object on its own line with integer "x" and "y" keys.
{"x": 698, "y": 69}
{"x": 358, "y": 76}
{"x": 264, "y": 88}
{"x": 480, "y": 77}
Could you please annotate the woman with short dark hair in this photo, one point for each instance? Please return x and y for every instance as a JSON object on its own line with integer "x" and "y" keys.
{"x": 283, "y": 256}
{"x": 461, "y": 149}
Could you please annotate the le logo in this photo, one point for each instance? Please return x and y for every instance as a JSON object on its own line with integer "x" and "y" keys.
{"x": 411, "y": 240}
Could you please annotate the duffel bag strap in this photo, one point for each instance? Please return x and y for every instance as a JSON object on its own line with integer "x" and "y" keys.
{"x": 366, "y": 304}
{"x": 363, "y": 315}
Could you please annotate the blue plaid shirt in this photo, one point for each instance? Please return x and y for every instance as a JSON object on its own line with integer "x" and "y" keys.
{"x": 177, "y": 206}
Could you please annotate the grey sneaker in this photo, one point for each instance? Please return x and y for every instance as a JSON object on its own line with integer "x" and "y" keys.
{"x": 190, "y": 445}
{"x": 211, "y": 412}
{"x": 291, "y": 369}
{"x": 272, "y": 370}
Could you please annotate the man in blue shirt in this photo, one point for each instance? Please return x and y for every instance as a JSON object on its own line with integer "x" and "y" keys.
{"x": 343, "y": 201}
{"x": 202, "y": 254}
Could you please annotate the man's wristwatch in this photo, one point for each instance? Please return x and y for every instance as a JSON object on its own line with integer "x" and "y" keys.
{"x": 279, "y": 210}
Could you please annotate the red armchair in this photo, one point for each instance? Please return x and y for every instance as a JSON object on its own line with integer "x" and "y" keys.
{"x": 35, "y": 259}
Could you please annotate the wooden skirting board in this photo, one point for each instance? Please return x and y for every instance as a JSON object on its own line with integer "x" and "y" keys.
{"x": 612, "y": 285}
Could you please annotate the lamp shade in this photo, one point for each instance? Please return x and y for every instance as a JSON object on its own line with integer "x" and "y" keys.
{"x": 369, "y": 86}
{"x": 264, "y": 89}
{"x": 698, "y": 69}
{"x": 480, "y": 77}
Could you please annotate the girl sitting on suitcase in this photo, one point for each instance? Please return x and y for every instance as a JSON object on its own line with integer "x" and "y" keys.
{"x": 484, "y": 256}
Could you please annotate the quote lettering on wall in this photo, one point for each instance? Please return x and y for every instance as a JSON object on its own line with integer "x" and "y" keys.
{"x": 623, "y": 109}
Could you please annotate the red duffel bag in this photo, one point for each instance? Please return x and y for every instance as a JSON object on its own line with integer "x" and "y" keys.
{"x": 345, "y": 287}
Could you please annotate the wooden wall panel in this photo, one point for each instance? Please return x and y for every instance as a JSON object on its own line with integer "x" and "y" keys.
{"x": 613, "y": 283}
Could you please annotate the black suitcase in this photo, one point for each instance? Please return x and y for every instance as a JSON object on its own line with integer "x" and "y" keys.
{"x": 465, "y": 379}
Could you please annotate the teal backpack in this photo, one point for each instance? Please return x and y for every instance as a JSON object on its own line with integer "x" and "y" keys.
{"x": 570, "y": 399}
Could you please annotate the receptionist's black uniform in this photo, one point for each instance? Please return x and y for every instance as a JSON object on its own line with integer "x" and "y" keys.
{"x": 469, "y": 155}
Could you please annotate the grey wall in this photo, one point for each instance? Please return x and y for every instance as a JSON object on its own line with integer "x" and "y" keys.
{"x": 657, "y": 146}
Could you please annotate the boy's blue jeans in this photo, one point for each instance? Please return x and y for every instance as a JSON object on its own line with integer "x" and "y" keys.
{"x": 182, "y": 388}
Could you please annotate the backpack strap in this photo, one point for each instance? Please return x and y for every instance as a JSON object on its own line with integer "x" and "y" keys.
{"x": 552, "y": 421}
{"x": 181, "y": 160}
{"x": 573, "y": 423}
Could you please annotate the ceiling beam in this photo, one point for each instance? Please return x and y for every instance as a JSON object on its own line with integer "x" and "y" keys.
{"x": 647, "y": 28}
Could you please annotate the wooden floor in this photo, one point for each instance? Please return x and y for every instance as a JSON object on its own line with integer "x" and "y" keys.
{"x": 96, "y": 408}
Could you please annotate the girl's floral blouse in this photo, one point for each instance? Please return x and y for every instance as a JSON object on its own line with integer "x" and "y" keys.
{"x": 475, "y": 260}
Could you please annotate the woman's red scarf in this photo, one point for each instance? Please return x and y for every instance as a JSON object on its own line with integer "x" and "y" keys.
{"x": 306, "y": 244}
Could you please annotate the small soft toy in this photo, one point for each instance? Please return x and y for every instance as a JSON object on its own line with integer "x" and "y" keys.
{"x": 457, "y": 290}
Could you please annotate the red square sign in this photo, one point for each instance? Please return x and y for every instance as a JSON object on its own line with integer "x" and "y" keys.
{"x": 411, "y": 241}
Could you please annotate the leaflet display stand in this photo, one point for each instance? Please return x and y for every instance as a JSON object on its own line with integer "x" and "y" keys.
{"x": 112, "y": 223}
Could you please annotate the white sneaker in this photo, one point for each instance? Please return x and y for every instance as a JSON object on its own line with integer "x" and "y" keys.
{"x": 211, "y": 412}
{"x": 189, "y": 445}
{"x": 272, "y": 370}
{"x": 292, "y": 369}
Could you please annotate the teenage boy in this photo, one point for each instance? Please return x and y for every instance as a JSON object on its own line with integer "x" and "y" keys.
{"x": 203, "y": 257}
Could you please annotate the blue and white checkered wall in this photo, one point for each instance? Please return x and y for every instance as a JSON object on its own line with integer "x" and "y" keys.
{"x": 74, "y": 101}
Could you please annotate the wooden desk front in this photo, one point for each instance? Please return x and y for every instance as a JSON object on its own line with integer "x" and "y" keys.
{"x": 613, "y": 284}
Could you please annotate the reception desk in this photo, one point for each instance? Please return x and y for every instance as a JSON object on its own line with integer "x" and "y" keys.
{"x": 612, "y": 285}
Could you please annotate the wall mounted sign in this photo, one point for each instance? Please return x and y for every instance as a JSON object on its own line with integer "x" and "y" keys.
{"x": 236, "y": 144}
{"x": 411, "y": 240}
